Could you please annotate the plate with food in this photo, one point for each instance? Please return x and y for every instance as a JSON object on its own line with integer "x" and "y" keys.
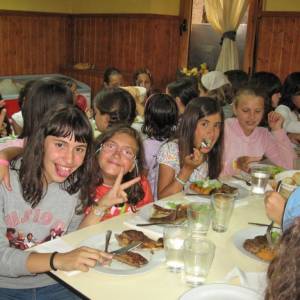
{"x": 253, "y": 243}
{"x": 162, "y": 211}
{"x": 147, "y": 256}
{"x": 208, "y": 187}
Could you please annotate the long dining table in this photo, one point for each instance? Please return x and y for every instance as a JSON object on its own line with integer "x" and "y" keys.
{"x": 159, "y": 283}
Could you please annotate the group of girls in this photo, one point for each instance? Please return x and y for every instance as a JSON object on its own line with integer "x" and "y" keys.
{"x": 185, "y": 139}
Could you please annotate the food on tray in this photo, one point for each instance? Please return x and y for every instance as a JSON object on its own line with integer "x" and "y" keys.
{"x": 208, "y": 187}
{"x": 129, "y": 236}
{"x": 131, "y": 258}
{"x": 173, "y": 215}
{"x": 260, "y": 247}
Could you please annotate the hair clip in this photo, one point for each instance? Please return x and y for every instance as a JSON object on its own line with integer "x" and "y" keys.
{"x": 99, "y": 149}
{"x": 136, "y": 167}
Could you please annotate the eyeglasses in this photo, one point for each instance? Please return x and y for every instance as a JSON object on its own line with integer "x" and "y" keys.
{"x": 111, "y": 147}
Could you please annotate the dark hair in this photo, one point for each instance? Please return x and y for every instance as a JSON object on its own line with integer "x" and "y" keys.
{"x": 197, "y": 109}
{"x": 118, "y": 104}
{"x": 6, "y": 122}
{"x": 183, "y": 88}
{"x": 270, "y": 84}
{"x": 237, "y": 78}
{"x": 135, "y": 192}
{"x": 63, "y": 121}
{"x": 110, "y": 72}
{"x": 23, "y": 94}
{"x": 161, "y": 116}
{"x": 290, "y": 88}
{"x": 283, "y": 273}
{"x": 43, "y": 95}
{"x": 142, "y": 71}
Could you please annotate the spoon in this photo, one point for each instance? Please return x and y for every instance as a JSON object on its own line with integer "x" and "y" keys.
{"x": 107, "y": 239}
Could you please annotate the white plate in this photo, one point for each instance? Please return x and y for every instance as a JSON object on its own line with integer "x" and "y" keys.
{"x": 146, "y": 211}
{"x": 118, "y": 268}
{"x": 220, "y": 291}
{"x": 248, "y": 233}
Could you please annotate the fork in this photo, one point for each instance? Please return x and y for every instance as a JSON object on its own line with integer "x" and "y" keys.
{"x": 269, "y": 235}
{"x": 107, "y": 239}
{"x": 270, "y": 226}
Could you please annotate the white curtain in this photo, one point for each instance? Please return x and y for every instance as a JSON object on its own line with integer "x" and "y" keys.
{"x": 225, "y": 16}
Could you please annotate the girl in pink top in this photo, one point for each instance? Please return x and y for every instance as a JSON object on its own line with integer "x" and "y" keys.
{"x": 246, "y": 142}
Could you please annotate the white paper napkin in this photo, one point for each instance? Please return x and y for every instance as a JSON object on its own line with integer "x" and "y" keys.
{"x": 253, "y": 280}
{"x": 153, "y": 232}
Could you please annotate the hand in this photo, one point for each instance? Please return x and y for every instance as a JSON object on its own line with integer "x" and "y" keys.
{"x": 2, "y": 103}
{"x": 294, "y": 138}
{"x": 275, "y": 120}
{"x": 194, "y": 160}
{"x": 117, "y": 194}
{"x": 81, "y": 259}
{"x": 274, "y": 204}
{"x": 4, "y": 177}
{"x": 243, "y": 162}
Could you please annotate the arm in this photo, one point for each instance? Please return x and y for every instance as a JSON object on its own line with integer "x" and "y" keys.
{"x": 290, "y": 124}
{"x": 274, "y": 205}
{"x": 81, "y": 259}
{"x": 115, "y": 196}
{"x": 8, "y": 154}
{"x": 294, "y": 138}
{"x": 278, "y": 147}
{"x": 168, "y": 184}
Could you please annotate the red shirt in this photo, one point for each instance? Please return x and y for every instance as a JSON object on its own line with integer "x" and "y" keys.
{"x": 115, "y": 210}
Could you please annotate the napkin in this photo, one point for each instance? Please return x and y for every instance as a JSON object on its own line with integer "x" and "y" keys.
{"x": 253, "y": 280}
{"x": 58, "y": 245}
{"x": 154, "y": 232}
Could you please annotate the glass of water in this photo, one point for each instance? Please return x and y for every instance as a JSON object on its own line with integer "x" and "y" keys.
{"x": 259, "y": 180}
{"x": 223, "y": 205}
{"x": 199, "y": 217}
{"x": 198, "y": 256}
{"x": 174, "y": 236}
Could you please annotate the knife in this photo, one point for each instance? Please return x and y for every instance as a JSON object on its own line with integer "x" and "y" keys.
{"x": 125, "y": 249}
{"x": 261, "y": 224}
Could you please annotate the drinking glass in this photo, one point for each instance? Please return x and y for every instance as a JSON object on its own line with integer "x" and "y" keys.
{"x": 199, "y": 217}
{"x": 198, "y": 256}
{"x": 222, "y": 210}
{"x": 259, "y": 180}
{"x": 174, "y": 236}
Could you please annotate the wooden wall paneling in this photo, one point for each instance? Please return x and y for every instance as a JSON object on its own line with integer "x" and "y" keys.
{"x": 128, "y": 42}
{"x": 33, "y": 43}
{"x": 278, "y": 49}
{"x": 264, "y": 38}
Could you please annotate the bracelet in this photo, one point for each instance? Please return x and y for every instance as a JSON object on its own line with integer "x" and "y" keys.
{"x": 4, "y": 162}
{"x": 51, "y": 261}
{"x": 182, "y": 182}
{"x": 99, "y": 212}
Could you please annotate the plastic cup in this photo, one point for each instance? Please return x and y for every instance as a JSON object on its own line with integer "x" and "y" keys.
{"x": 223, "y": 205}
{"x": 198, "y": 256}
